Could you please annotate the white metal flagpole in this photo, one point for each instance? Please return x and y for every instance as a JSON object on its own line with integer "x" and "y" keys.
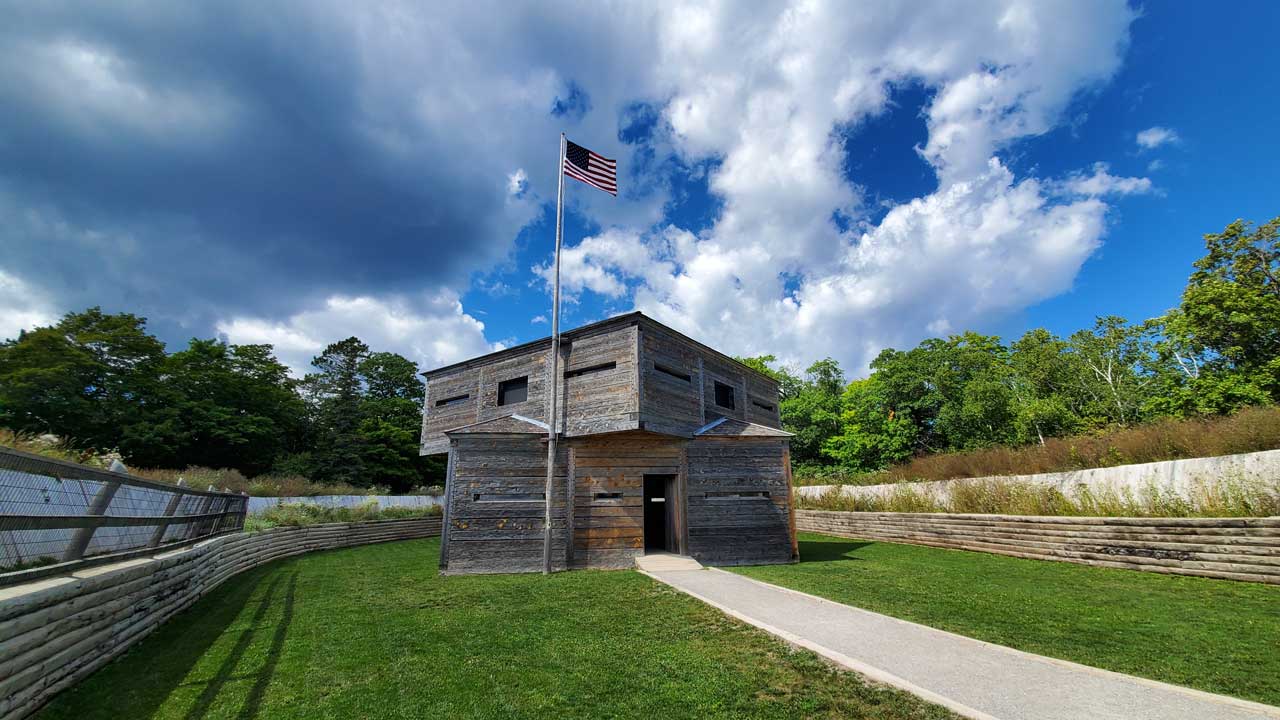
{"x": 554, "y": 391}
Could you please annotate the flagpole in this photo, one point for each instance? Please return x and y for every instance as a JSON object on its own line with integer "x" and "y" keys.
{"x": 553, "y": 393}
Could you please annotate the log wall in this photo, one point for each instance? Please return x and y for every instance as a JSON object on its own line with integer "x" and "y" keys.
{"x": 608, "y": 532}
{"x": 55, "y": 632}
{"x": 1227, "y": 548}
{"x": 739, "y": 501}
{"x": 671, "y": 404}
{"x": 497, "y": 505}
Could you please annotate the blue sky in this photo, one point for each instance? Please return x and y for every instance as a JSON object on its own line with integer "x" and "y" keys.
{"x": 795, "y": 181}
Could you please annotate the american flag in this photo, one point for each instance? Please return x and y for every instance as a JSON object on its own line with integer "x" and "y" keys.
{"x": 591, "y": 168}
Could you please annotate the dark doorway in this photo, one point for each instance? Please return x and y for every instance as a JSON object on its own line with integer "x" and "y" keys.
{"x": 659, "y": 513}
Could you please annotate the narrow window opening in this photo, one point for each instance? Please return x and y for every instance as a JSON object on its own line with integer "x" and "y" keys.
{"x": 509, "y": 497}
{"x": 724, "y": 395}
{"x": 763, "y": 406}
{"x": 588, "y": 370}
{"x": 738, "y": 494}
{"x": 608, "y": 496}
{"x": 515, "y": 390}
{"x": 677, "y": 374}
{"x": 452, "y": 400}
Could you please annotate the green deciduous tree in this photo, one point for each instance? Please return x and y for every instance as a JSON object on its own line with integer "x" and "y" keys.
{"x": 872, "y": 435}
{"x": 1220, "y": 349}
{"x": 812, "y": 411}
{"x": 83, "y": 378}
{"x": 218, "y": 405}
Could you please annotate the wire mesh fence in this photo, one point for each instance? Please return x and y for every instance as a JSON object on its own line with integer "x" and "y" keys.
{"x": 56, "y": 515}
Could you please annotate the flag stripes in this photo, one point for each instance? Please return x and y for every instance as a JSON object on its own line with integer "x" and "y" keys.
{"x": 591, "y": 168}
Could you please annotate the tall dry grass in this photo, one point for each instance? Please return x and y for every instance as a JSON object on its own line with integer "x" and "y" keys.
{"x": 52, "y": 446}
{"x": 304, "y": 514}
{"x": 260, "y": 486}
{"x": 1249, "y": 430}
{"x": 1227, "y": 497}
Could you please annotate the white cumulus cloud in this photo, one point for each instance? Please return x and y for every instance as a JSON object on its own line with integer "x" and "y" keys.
{"x": 1154, "y": 137}
{"x": 22, "y": 307}
{"x": 432, "y": 333}
{"x": 768, "y": 94}
{"x": 1102, "y": 182}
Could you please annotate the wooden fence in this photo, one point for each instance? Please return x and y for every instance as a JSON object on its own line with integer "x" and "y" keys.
{"x": 56, "y": 631}
{"x": 57, "y": 516}
{"x": 1228, "y": 548}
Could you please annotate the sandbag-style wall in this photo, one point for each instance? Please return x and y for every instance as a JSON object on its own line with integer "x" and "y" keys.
{"x": 1228, "y": 548}
{"x": 56, "y": 631}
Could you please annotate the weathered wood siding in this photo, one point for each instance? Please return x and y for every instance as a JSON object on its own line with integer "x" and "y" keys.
{"x": 601, "y": 399}
{"x": 437, "y": 419}
{"x": 604, "y": 400}
{"x": 609, "y": 532}
{"x": 762, "y": 402}
{"x": 487, "y": 534}
{"x": 672, "y": 405}
{"x": 726, "y": 528}
{"x": 669, "y": 404}
{"x": 480, "y": 384}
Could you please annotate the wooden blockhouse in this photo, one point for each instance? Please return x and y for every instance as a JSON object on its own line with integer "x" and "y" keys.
{"x": 665, "y": 445}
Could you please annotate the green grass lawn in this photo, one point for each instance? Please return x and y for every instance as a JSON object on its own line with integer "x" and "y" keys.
{"x": 1215, "y": 635}
{"x": 375, "y": 632}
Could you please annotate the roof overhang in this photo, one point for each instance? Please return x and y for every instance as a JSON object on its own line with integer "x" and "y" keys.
{"x": 505, "y": 425}
{"x": 729, "y": 427}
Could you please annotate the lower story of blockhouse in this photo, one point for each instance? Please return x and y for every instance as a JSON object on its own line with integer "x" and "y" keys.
{"x": 723, "y": 498}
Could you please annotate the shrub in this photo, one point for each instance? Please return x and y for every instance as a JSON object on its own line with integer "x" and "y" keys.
{"x": 1229, "y": 497}
{"x": 271, "y": 485}
{"x": 304, "y": 514}
{"x": 52, "y": 446}
{"x": 1249, "y": 430}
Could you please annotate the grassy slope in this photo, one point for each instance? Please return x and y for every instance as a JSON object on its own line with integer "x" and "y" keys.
{"x": 1214, "y": 635}
{"x": 374, "y": 632}
{"x": 1250, "y": 430}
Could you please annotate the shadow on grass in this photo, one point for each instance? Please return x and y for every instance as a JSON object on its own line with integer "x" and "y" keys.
{"x": 829, "y": 550}
{"x": 254, "y": 700}
{"x": 165, "y": 658}
{"x": 226, "y": 671}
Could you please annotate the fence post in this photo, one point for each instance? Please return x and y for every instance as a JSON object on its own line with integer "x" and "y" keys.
{"x": 174, "y": 502}
{"x": 195, "y": 527}
{"x": 80, "y": 541}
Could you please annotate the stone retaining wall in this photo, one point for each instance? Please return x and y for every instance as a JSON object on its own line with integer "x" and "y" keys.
{"x": 1183, "y": 478}
{"x": 56, "y": 631}
{"x": 1228, "y": 548}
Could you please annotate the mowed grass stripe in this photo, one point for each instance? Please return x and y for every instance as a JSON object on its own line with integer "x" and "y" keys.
{"x": 375, "y": 632}
{"x": 1216, "y": 635}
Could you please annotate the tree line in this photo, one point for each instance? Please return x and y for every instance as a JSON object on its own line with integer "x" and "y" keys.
{"x": 101, "y": 381}
{"x": 1217, "y": 351}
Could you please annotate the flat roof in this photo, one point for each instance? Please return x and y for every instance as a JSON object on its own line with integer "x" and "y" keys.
{"x": 634, "y": 317}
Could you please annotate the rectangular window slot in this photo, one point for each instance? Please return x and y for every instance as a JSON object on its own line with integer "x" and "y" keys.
{"x": 509, "y": 497}
{"x": 738, "y": 494}
{"x": 515, "y": 390}
{"x": 724, "y": 395}
{"x": 763, "y": 406}
{"x": 593, "y": 369}
{"x": 673, "y": 372}
{"x": 608, "y": 496}
{"x": 452, "y": 400}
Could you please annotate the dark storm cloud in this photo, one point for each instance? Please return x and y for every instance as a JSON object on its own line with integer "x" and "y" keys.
{"x": 189, "y": 161}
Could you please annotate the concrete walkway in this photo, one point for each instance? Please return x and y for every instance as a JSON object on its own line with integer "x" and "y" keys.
{"x": 971, "y": 677}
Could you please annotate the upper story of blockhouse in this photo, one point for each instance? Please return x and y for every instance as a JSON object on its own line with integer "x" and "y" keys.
{"x": 625, "y": 373}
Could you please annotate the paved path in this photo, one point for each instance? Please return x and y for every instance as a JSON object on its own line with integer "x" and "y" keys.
{"x": 973, "y": 678}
